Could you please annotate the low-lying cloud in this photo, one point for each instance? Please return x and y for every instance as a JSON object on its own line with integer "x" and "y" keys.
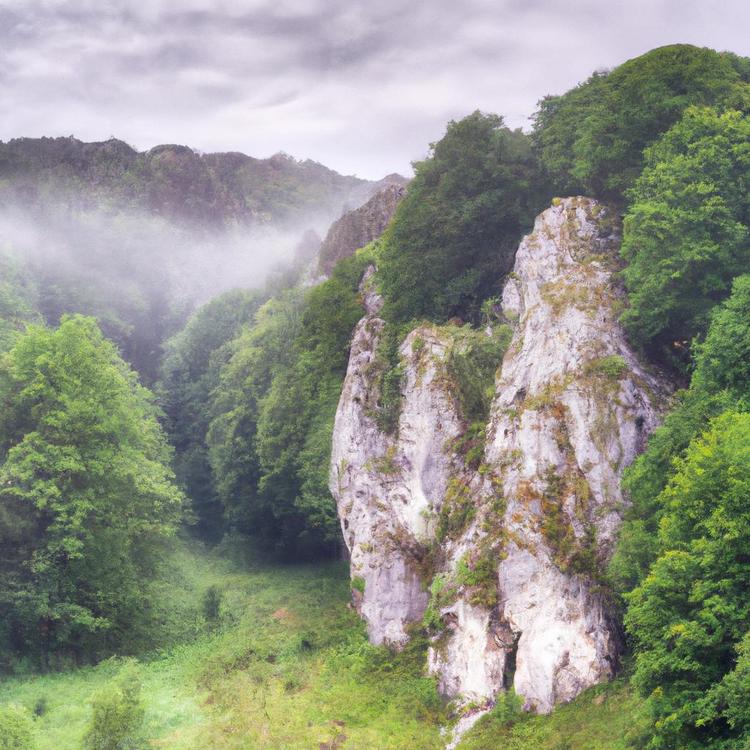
{"x": 186, "y": 265}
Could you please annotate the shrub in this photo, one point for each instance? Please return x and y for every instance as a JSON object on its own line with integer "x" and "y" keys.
{"x": 40, "y": 707}
{"x": 211, "y": 604}
{"x": 16, "y": 729}
{"x": 117, "y": 713}
{"x": 611, "y": 367}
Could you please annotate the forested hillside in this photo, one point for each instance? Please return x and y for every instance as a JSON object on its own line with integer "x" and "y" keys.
{"x": 98, "y": 474}
{"x": 172, "y": 181}
{"x": 139, "y": 239}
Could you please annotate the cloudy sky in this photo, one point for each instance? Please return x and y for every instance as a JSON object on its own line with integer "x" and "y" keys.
{"x": 360, "y": 85}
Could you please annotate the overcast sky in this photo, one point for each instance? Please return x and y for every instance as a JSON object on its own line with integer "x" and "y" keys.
{"x": 362, "y": 86}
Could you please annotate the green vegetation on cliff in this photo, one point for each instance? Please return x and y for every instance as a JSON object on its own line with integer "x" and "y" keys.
{"x": 455, "y": 234}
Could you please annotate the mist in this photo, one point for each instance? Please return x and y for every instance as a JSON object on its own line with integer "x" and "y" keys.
{"x": 142, "y": 275}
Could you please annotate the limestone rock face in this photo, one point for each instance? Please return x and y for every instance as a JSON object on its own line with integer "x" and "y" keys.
{"x": 385, "y": 486}
{"x": 357, "y": 228}
{"x": 515, "y": 599}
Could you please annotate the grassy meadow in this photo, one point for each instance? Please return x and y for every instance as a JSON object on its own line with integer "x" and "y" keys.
{"x": 271, "y": 656}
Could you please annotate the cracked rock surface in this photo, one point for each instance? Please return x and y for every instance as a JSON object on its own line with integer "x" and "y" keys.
{"x": 515, "y": 593}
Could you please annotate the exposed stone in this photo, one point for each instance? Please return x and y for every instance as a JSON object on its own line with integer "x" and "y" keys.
{"x": 520, "y": 601}
{"x": 357, "y": 228}
{"x": 387, "y": 487}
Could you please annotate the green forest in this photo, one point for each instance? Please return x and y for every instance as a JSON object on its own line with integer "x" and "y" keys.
{"x": 172, "y": 565}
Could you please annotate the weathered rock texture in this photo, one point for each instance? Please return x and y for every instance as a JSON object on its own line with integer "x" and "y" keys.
{"x": 357, "y": 228}
{"x": 511, "y": 551}
{"x": 386, "y": 486}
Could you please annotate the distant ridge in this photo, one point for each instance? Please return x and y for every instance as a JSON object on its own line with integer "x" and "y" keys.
{"x": 176, "y": 182}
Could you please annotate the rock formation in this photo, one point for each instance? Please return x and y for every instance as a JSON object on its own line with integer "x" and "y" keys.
{"x": 501, "y": 557}
{"x": 358, "y": 227}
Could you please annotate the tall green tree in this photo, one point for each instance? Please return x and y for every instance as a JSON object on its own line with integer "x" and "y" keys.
{"x": 86, "y": 493}
{"x": 189, "y": 376}
{"x": 720, "y": 382}
{"x": 683, "y": 548}
{"x": 691, "y": 613}
{"x": 270, "y": 440}
{"x": 257, "y": 355}
{"x": 455, "y": 233}
{"x": 686, "y": 233}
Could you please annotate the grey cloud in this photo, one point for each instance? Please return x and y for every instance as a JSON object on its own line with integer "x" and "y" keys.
{"x": 358, "y": 85}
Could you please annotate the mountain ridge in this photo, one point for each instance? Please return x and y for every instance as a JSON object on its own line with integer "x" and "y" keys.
{"x": 177, "y": 181}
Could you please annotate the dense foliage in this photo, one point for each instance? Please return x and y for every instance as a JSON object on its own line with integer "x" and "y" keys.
{"x": 690, "y": 614}
{"x": 274, "y": 407}
{"x": 591, "y": 139}
{"x": 683, "y": 549}
{"x": 86, "y": 494}
{"x": 687, "y": 230}
{"x": 455, "y": 233}
{"x": 189, "y": 376}
{"x": 719, "y": 382}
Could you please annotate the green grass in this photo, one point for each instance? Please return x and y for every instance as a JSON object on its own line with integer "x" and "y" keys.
{"x": 605, "y": 717}
{"x": 287, "y": 666}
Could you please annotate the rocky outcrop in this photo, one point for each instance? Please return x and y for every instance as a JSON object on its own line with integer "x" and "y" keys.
{"x": 386, "y": 486}
{"x": 502, "y": 558}
{"x": 357, "y": 228}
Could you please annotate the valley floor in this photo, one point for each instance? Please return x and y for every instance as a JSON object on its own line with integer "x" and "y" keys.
{"x": 287, "y": 665}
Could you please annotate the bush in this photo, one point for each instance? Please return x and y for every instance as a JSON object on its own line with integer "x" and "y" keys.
{"x": 40, "y": 707}
{"x": 117, "y": 713}
{"x": 16, "y": 729}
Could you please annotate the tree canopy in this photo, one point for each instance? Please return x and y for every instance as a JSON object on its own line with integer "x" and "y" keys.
{"x": 591, "y": 139}
{"x": 86, "y": 492}
{"x": 189, "y": 376}
{"x": 686, "y": 233}
{"x": 454, "y": 235}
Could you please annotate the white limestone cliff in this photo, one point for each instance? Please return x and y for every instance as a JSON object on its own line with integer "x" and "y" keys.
{"x": 514, "y": 585}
